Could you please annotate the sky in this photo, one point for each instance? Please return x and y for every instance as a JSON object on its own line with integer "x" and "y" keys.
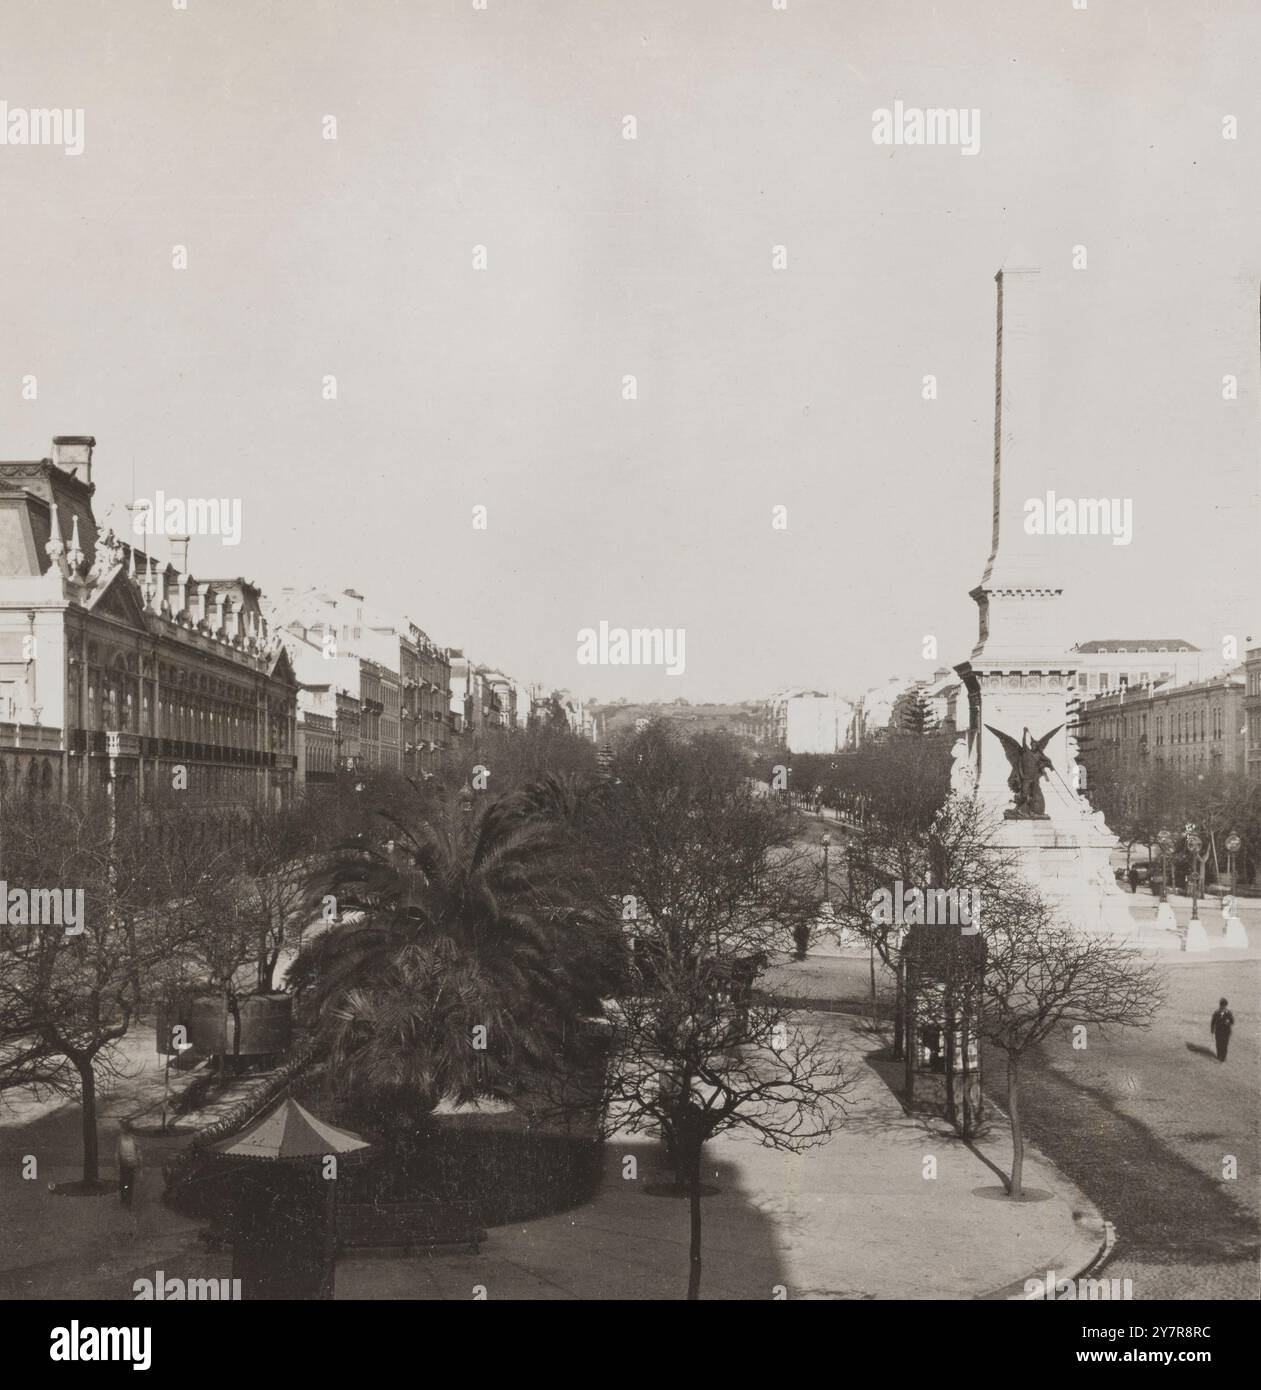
{"x": 756, "y": 388}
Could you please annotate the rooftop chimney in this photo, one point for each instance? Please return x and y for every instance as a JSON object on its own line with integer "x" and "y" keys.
{"x": 179, "y": 553}
{"x": 73, "y": 454}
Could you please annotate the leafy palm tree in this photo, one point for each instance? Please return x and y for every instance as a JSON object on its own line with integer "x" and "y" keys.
{"x": 471, "y": 957}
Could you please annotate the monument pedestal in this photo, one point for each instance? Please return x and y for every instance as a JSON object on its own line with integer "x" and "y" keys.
{"x": 1068, "y": 858}
{"x": 1196, "y": 938}
{"x": 1234, "y": 937}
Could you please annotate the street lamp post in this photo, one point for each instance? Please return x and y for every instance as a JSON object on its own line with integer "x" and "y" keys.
{"x": 827, "y": 885}
{"x": 1232, "y": 848}
{"x": 1165, "y": 840}
{"x": 1194, "y": 845}
{"x": 1196, "y": 938}
{"x": 1233, "y": 931}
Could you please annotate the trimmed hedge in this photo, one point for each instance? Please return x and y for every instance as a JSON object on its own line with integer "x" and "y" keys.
{"x": 501, "y": 1175}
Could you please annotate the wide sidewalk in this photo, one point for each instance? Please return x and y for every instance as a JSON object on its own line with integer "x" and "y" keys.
{"x": 856, "y": 1217}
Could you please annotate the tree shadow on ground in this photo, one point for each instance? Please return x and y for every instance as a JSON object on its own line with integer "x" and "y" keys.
{"x": 631, "y": 1241}
{"x": 1165, "y": 1209}
{"x": 892, "y": 1071}
{"x": 878, "y": 1056}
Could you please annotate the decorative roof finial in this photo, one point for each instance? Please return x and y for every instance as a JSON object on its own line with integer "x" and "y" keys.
{"x": 74, "y": 555}
{"x": 55, "y": 547}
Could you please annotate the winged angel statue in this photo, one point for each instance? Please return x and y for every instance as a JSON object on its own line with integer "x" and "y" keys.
{"x": 1028, "y": 761}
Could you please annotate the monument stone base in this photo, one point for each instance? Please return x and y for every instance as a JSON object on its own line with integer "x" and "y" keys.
{"x": 1234, "y": 937}
{"x": 1067, "y": 856}
{"x": 1196, "y": 938}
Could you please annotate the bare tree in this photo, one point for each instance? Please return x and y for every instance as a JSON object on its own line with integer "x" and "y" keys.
{"x": 693, "y": 1058}
{"x": 275, "y": 877}
{"x": 156, "y": 918}
{"x": 709, "y": 888}
{"x": 68, "y": 990}
{"x": 954, "y": 851}
{"x": 1043, "y": 975}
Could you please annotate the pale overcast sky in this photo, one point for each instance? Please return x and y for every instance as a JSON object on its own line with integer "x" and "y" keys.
{"x": 503, "y": 388}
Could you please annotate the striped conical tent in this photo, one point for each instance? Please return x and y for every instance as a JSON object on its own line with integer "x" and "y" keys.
{"x": 289, "y": 1131}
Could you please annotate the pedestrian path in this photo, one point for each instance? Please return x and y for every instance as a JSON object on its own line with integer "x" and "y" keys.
{"x": 856, "y": 1218}
{"x": 890, "y": 1207}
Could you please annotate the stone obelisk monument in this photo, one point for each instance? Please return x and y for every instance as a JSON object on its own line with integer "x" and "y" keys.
{"x": 1018, "y": 753}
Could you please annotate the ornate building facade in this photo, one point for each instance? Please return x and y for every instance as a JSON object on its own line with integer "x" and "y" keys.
{"x": 1252, "y": 712}
{"x": 425, "y": 723}
{"x": 1193, "y": 728}
{"x": 119, "y": 673}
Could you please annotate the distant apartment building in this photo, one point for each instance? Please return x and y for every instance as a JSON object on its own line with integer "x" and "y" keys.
{"x": 118, "y": 671}
{"x": 876, "y": 711}
{"x": 317, "y": 746}
{"x": 343, "y": 650}
{"x": 432, "y": 702}
{"x": 328, "y": 729}
{"x": 503, "y": 692}
{"x": 925, "y": 706}
{"x": 461, "y": 704}
{"x": 330, "y": 719}
{"x": 1112, "y": 663}
{"x": 1252, "y": 712}
{"x": 328, "y": 709}
{"x": 748, "y": 725}
{"x": 808, "y": 721}
{"x": 398, "y": 676}
{"x": 483, "y": 698}
{"x": 472, "y": 702}
{"x": 380, "y": 722}
{"x": 561, "y": 706}
{"x": 521, "y": 704}
{"x": 425, "y": 724}
{"x": 1192, "y": 728}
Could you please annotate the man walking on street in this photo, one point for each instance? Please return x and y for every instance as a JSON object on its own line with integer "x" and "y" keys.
{"x": 128, "y": 1168}
{"x": 1220, "y": 1025}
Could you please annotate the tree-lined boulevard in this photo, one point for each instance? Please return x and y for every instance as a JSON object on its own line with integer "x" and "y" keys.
{"x": 579, "y": 993}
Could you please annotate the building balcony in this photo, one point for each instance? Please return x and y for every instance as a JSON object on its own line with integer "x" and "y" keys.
{"x": 95, "y": 743}
{"x": 32, "y": 737}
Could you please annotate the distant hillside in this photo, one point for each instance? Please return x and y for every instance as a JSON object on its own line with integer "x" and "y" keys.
{"x": 687, "y": 719}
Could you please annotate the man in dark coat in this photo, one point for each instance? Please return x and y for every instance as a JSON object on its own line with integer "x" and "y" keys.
{"x": 1220, "y": 1025}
